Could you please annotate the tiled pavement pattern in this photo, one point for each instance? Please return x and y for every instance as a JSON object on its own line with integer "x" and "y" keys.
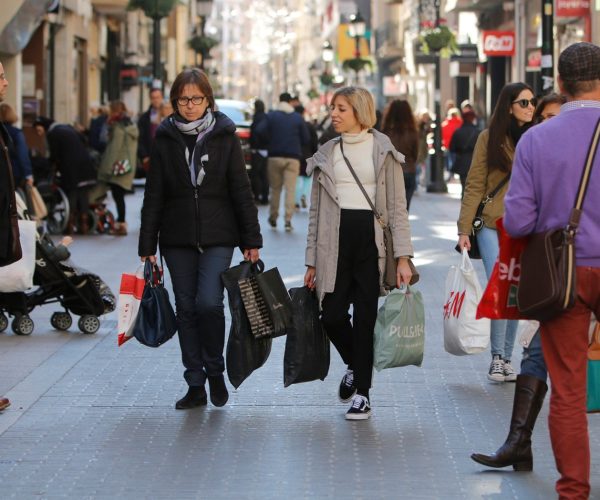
{"x": 90, "y": 420}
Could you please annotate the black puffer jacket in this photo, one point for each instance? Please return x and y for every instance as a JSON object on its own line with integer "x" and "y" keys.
{"x": 221, "y": 212}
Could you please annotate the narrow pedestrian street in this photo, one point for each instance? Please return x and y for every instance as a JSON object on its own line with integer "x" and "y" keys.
{"x": 93, "y": 420}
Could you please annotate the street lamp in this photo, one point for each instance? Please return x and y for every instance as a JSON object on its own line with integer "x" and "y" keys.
{"x": 327, "y": 55}
{"x": 357, "y": 29}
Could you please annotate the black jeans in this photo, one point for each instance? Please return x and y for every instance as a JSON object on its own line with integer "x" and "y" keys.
{"x": 198, "y": 289}
{"x": 258, "y": 178}
{"x": 118, "y": 194}
{"x": 356, "y": 283}
{"x": 410, "y": 185}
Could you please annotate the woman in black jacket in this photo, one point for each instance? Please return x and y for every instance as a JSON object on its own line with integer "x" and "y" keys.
{"x": 198, "y": 206}
{"x": 462, "y": 145}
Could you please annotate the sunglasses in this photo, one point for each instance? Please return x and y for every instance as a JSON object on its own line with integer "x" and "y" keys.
{"x": 526, "y": 102}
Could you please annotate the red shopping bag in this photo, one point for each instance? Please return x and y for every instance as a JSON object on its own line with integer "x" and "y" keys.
{"x": 499, "y": 300}
{"x": 130, "y": 296}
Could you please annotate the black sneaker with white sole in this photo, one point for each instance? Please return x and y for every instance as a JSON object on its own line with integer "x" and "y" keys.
{"x": 347, "y": 389}
{"x": 360, "y": 409}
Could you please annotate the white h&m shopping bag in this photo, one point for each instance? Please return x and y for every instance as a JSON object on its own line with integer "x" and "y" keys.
{"x": 463, "y": 334}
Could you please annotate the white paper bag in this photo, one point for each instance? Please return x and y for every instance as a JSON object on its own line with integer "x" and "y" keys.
{"x": 463, "y": 334}
{"x": 18, "y": 276}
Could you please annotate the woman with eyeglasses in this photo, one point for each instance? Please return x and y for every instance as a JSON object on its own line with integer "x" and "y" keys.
{"x": 490, "y": 169}
{"x": 198, "y": 206}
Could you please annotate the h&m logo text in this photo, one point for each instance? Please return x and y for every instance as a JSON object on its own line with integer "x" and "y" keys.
{"x": 454, "y": 304}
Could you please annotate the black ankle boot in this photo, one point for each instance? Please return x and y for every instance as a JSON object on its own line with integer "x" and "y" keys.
{"x": 516, "y": 450}
{"x": 218, "y": 390}
{"x": 196, "y": 396}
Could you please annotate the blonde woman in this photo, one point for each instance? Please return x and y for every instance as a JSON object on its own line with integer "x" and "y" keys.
{"x": 345, "y": 253}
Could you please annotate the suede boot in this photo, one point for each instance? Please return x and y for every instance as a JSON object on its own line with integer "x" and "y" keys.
{"x": 218, "y": 390}
{"x": 196, "y": 396}
{"x": 516, "y": 450}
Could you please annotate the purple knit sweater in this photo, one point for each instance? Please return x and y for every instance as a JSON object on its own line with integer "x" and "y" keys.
{"x": 548, "y": 164}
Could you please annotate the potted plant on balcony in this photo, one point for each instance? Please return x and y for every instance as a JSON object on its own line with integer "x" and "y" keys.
{"x": 202, "y": 44}
{"x": 438, "y": 39}
{"x": 356, "y": 64}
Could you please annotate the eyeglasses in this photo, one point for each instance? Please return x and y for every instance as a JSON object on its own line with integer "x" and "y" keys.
{"x": 196, "y": 100}
{"x": 526, "y": 102}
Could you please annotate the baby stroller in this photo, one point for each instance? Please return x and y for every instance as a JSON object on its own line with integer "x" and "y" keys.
{"x": 57, "y": 280}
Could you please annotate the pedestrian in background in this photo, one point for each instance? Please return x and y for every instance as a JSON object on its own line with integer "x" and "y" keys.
{"x": 17, "y": 147}
{"x": 462, "y": 146}
{"x": 69, "y": 154}
{"x": 492, "y": 165}
{"x": 450, "y": 125}
{"x": 259, "y": 145}
{"x": 345, "y": 254}
{"x": 148, "y": 123}
{"x": 424, "y": 129}
{"x": 285, "y": 133}
{"x": 399, "y": 125}
{"x": 198, "y": 206}
{"x": 117, "y": 167}
{"x": 531, "y": 387}
{"x": 8, "y": 208}
{"x": 309, "y": 148}
{"x": 98, "y": 131}
{"x": 548, "y": 168}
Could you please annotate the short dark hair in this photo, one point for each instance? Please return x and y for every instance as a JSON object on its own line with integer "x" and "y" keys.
{"x": 285, "y": 97}
{"x": 191, "y": 76}
{"x": 155, "y": 89}
{"x": 552, "y": 98}
{"x": 576, "y": 88}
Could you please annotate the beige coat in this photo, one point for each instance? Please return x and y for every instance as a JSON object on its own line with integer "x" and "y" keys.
{"x": 324, "y": 215}
{"x": 480, "y": 182}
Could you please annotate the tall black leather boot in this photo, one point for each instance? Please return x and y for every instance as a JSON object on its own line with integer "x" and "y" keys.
{"x": 516, "y": 450}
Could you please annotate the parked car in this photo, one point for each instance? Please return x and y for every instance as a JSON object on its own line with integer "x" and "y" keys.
{"x": 240, "y": 113}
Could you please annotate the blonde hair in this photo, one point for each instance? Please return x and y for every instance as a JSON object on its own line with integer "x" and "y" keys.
{"x": 362, "y": 103}
{"x": 7, "y": 114}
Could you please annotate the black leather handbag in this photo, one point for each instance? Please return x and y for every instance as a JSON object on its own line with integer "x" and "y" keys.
{"x": 155, "y": 322}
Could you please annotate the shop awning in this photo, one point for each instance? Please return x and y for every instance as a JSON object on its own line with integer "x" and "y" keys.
{"x": 23, "y": 21}
{"x": 471, "y": 5}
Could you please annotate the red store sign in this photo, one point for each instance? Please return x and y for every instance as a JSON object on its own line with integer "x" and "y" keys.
{"x": 572, "y": 8}
{"x": 499, "y": 43}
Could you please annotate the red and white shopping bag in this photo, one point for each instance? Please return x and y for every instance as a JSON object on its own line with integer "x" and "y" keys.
{"x": 130, "y": 296}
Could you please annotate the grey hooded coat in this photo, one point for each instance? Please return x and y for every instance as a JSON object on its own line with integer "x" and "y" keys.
{"x": 324, "y": 215}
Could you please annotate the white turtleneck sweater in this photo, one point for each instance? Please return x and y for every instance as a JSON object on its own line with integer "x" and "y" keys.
{"x": 358, "y": 148}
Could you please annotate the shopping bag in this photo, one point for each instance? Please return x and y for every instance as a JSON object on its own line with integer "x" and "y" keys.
{"x": 130, "y": 295}
{"x": 593, "y": 373}
{"x": 18, "y": 276}
{"x": 155, "y": 322}
{"x": 267, "y": 302}
{"x": 499, "y": 300}
{"x": 244, "y": 353}
{"x": 463, "y": 333}
{"x": 35, "y": 203}
{"x": 399, "y": 337}
{"x": 306, "y": 355}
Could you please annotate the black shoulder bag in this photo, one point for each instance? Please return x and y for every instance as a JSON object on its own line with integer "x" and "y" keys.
{"x": 389, "y": 276}
{"x": 478, "y": 224}
{"x": 547, "y": 285}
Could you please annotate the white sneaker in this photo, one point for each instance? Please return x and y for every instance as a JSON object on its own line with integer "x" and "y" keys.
{"x": 496, "y": 373}
{"x": 509, "y": 372}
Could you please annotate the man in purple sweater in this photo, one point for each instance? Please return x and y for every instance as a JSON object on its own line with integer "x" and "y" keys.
{"x": 545, "y": 178}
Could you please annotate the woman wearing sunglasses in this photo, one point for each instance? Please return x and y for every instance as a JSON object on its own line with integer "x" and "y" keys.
{"x": 491, "y": 166}
{"x": 198, "y": 206}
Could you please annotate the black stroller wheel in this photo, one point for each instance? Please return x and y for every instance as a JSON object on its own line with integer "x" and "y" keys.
{"x": 88, "y": 324}
{"x": 22, "y": 325}
{"x": 58, "y": 209}
{"x": 3, "y": 322}
{"x": 61, "y": 321}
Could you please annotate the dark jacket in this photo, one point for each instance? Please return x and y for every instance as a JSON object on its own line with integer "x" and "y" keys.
{"x": 256, "y": 140}
{"x": 310, "y": 147}
{"x": 407, "y": 142}
{"x": 146, "y": 138}
{"x": 220, "y": 212}
{"x": 98, "y": 134}
{"x": 462, "y": 144}
{"x": 68, "y": 151}
{"x": 7, "y": 205}
{"x": 285, "y": 132}
{"x": 19, "y": 154}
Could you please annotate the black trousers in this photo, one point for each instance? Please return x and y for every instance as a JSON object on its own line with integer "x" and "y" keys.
{"x": 118, "y": 194}
{"x": 258, "y": 178}
{"x": 357, "y": 283}
{"x": 198, "y": 289}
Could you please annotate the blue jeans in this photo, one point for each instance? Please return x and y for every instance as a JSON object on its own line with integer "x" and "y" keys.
{"x": 533, "y": 362}
{"x": 503, "y": 331}
{"x": 198, "y": 290}
{"x": 303, "y": 185}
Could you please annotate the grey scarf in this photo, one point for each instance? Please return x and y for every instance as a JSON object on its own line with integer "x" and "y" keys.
{"x": 201, "y": 128}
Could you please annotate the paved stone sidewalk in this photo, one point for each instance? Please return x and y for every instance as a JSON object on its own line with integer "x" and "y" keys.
{"x": 90, "y": 420}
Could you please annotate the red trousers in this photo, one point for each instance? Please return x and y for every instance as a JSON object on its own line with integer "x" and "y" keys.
{"x": 565, "y": 344}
